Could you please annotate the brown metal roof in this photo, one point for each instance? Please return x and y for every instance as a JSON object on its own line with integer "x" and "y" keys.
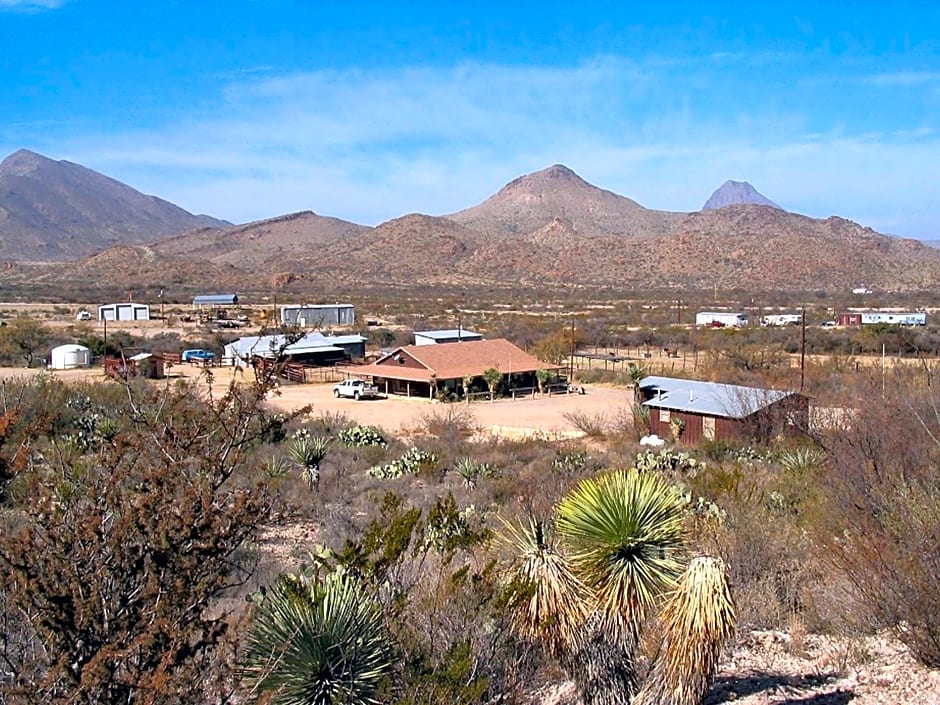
{"x": 455, "y": 361}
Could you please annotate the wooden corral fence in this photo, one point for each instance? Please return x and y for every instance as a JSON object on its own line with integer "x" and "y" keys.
{"x": 299, "y": 374}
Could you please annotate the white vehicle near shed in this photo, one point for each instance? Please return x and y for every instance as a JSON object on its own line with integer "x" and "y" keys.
{"x": 355, "y": 389}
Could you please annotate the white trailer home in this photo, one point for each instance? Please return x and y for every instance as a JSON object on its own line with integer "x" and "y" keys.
{"x": 782, "y": 319}
{"x": 894, "y": 318}
{"x": 721, "y": 319}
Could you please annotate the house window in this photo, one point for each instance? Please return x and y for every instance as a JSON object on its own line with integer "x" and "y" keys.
{"x": 708, "y": 428}
{"x": 664, "y": 415}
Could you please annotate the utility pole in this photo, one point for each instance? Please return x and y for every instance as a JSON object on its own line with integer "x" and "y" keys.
{"x": 571, "y": 357}
{"x": 104, "y": 353}
{"x": 802, "y": 346}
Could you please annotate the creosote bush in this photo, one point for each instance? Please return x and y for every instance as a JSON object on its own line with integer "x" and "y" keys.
{"x": 119, "y": 539}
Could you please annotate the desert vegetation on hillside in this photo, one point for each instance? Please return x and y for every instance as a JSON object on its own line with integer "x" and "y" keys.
{"x": 160, "y": 544}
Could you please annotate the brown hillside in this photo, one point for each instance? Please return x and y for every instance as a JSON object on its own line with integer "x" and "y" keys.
{"x": 532, "y": 201}
{"x": 134, "y": 268}
{"x": 247, "y": 246}
{"x": 412, "y": 249}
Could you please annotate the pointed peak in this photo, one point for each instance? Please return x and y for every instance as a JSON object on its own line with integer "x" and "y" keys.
{"x": 733, "y": 193}
{"x": 558, "y": 171}
{"x": 553, "y": 176}
{"x": 22, "y": 161}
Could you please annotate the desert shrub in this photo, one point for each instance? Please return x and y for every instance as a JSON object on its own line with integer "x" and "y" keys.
{"x": 331, "y": 423}
{"x": 443, "y": 604}
{"x": 472, "y": 471}
{"x": 128, "y": 524}
{"x": 592, "y": 425}
{"x": 880, "y": 523}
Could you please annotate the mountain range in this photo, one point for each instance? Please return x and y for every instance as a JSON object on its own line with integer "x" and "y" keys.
{"x": 57, "y": 210}
{"x": 546, "y": 229}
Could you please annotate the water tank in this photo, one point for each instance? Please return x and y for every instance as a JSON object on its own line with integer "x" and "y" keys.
{"x": 66, "y": 357}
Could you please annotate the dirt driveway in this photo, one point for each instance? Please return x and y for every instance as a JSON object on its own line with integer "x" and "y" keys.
{"x": 544, "y": 416}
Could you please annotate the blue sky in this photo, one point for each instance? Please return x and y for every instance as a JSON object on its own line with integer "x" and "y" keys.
{"x": 366, "y": 111}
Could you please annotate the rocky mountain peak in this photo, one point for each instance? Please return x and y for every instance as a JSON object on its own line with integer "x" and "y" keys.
{"x": 735, "y": 193}
{"x": 22, "y": 162}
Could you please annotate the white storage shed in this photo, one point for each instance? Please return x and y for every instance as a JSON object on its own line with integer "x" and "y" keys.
{"x": 67, "y": 357}
{"x": 129, "y": 311}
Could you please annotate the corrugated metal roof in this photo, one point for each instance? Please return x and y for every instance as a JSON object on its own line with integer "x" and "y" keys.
{"x": 215, "y": 299}
{"x": 267, "y": 345}
{"x": 731, "y": 401}
{"x": 293, "y": 307}
{"x": 448, "y": 333}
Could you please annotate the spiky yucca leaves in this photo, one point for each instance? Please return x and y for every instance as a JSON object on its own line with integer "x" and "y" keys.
{"x": 697, "y": 619}
{"x": 547, "y": 602}
{"x": 626, "y": 540}
{"x": 309, "y": 452}
{"x": 314, "y": 643}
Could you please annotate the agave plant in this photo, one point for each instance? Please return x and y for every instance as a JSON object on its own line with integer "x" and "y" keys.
{"x": 317, "y": 643}
{"x": 308, "y": 452}
{"x": 698, "y": 618}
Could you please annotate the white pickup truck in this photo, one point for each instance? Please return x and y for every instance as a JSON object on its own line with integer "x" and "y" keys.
{"x": 355, "y": 389}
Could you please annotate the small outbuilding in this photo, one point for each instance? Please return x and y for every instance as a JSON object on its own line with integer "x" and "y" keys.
{"x": 318, "y": 315}
{"x": 692, "y": 410}
{"x": 129, "y": 311}
{"x": 67, "y": 357}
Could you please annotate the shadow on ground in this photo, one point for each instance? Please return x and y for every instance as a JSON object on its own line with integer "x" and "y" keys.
{"x": 780, "y": 689}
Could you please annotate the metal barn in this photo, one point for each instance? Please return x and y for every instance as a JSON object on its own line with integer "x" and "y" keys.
{"x": 318, "y": 315}
{"x": 124, "y": 312}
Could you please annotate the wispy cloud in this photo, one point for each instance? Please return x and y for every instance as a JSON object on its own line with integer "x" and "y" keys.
{"x": 902, "y": 79}
{"x": 31, "y": 5}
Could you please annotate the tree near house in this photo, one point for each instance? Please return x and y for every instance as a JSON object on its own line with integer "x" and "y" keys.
{"x": 21, "y": 338}
{"x": 543, "y": 377}
{"x": 493, "y": 377}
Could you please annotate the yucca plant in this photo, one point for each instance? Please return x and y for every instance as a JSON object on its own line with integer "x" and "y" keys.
{"x": 626, "y": 540}
{"x": 622, "y": 550}
{"x": 802, "y": 459}
{"x": 308, "y": 452}
{"x": 697, "y": 619}
{"x": 548, "y": 602}
{"x": 317, "y": 643}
